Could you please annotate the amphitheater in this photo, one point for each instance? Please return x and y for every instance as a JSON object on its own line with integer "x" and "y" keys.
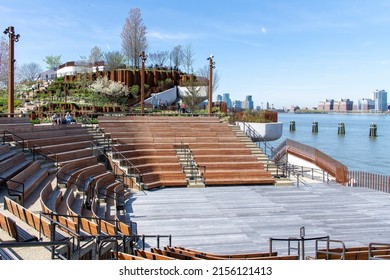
{"x": 165, "y": 188}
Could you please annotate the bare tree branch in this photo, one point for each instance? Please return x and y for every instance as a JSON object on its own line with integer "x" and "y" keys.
{"x": 134, "y": 37}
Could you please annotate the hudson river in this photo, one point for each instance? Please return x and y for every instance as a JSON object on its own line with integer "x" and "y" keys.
{"x": 355, "y": 148}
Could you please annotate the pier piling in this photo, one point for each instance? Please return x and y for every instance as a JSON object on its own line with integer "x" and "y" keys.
{"x": 314, "y": 128}
{"x": 292, "y": 125}
{"x": 341, "y": 128}
{"x": 373, "y": 130}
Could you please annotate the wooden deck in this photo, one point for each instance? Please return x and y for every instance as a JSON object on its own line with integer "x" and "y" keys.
{"x": 241, "y": 220}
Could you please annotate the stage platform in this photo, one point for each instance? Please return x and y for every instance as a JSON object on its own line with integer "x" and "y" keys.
{"x": 243, "y": 218}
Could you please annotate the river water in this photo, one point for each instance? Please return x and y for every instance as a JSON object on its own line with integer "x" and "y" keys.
{"x": 356, "y": 149}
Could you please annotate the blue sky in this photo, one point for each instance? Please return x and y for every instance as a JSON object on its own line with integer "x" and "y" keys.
{"x": 285, "y": 52}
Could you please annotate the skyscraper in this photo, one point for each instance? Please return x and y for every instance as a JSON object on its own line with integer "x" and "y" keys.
{"x": 227, "y": 100}
{"x": 380, "y": 98}
{"x": 248, "y": 102}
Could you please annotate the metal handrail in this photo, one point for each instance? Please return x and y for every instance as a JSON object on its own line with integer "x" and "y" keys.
{"x": 372, "y": 248}
{"x": 38, "y": 244}
{"x": 327, "y": 252}
{"x": 12, "y": 192}
{"x": 300, "y": 241}
{"x": 127, "y": 161}
{"x": 5, "y": 132}
{"x": 254, "y": 134}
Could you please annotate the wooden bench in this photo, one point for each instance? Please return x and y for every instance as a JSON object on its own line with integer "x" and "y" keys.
{"x": 36, "y": 222}
{"x": 8, "y": 155}
{"x": 141, "y": 146}
{"x": 238, "y": 178}
{"x": 352, "y": 253}
{"x": 79, "y": 162}
{"x": 51, "y": 149}
{"x": 164, "y": 180}
{"x": 13, "y": 166}
{"x": 222, "y": 256}
{"x": 174, "y": 255}
{"x": 221, "y": 152}
{"x": 103, "y": 184}
{"x": 57, "y": 140}
{"x": 150, "y": 152}
{"x": 150, "y": 255}
{"x": 67, "y": 169}
{"x": 49, "y": 132}
{"x": 71, "y": 155}
{"x": 26, "y": 181}
{"x": 4, "y": 148}
{"x": 126, "y": 257}
{"x": 82, "y": 181}
{"x": 8, "y": 225}
{"x": 50, "y": 198}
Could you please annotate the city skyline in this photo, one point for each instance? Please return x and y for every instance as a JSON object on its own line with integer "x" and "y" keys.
{"x": 281, "y": 52}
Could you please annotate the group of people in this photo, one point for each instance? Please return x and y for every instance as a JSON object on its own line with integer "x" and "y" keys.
{"x": 181, "y": 106}
{"x": 68, "y": 119}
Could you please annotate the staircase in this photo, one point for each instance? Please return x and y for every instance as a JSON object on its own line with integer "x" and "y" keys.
{"x": 262, "y": 157}
{"x": 190, "y": 168}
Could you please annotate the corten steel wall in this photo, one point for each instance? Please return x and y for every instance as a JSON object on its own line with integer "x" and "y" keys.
{"x": 323, "y": 161}
{"x": 133, "y": 77}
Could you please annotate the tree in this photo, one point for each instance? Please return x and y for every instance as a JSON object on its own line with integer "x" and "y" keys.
{"x": 134, "y": 37}
{"x": 159, "y": 58}
{"x": 114, "y": 91}
{"x": 95, "y": 55}
{"x": 188, "y": 58}
{"x": 205, "y": 72}
{"x": 176, "y": 56}
{"x": 193, "y": 96}
{"x": 53, "y": 61}
{"x": 29, "y": 72}
{"x": 3, "y": 62}
{"x": 114, "y": 60}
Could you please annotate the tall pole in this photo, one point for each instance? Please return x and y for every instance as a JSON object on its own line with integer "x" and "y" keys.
{"x": 143, "y": 58}
{"x": 11, "y": 65}
{"x": 210, "y": 91}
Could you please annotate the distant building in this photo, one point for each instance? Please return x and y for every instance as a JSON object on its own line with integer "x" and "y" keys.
{"x": 237, "y": 105}
{"x": 248, "y": 103}
{"x": 380, "y": 99}
{"x": 74, "y": 67}
{"x": 326, "y": 105}
{"x": 365, "y": 105}
{"x": 227, "y": 100}
{"x": 343, "y": 105}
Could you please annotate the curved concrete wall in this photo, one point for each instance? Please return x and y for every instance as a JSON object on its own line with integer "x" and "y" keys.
{"x": 269, "y": 131}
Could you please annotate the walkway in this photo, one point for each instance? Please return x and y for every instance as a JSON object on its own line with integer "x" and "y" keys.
{"x": 243, "y": 218}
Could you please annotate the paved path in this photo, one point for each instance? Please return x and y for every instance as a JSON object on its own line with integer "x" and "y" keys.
{"x": 243, "y": 218}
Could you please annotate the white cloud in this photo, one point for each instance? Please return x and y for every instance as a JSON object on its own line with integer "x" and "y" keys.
{"x": 168, "y": 36}
{"x": 263, "y": 30}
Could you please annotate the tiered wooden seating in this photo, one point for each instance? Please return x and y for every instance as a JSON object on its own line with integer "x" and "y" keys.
{"x": 33, "y": 220}
{"x": 353, "y": 253}
{"x": 12, "y": 166}
{"x": 126, "y": 257}
{"x": 68, "y": 168}
{"x": 151, "y": 256}
{"x": 26, "y": 181}
{"x": 174, "y": 255}
{"x": 16, "y": 124}
{"x": 220, "y": 155}
{"x": 8, "y": 225}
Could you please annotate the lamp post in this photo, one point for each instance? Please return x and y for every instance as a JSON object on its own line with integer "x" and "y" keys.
{"x": 210, "y": 91}
{"x": 143, "y": 59}
{"x": 11, "y": 65}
